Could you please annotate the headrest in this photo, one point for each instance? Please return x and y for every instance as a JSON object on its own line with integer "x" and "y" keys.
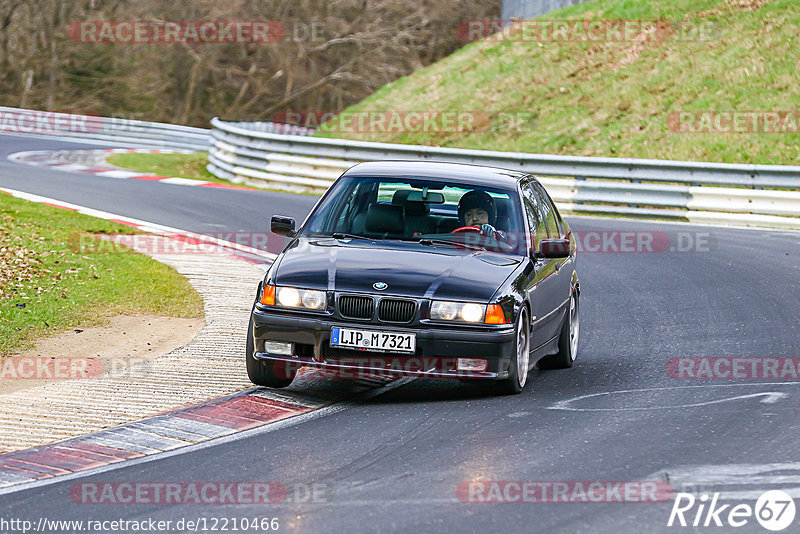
{"x": 385, "y": 219}
{"x": 502, "y": 206}
{"x": 413, "y": 208}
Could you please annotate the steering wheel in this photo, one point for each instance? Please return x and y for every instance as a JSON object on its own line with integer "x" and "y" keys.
{"x": 466, "y": 229}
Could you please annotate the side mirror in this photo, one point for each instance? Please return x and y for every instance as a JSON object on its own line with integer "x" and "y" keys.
{"x": 282, "y": 225}
{"x": 554, "y": 248}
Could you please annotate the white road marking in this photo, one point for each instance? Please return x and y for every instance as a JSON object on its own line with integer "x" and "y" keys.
{"x": 182, "y": 181}
{"x": 119, "y": 174}
{"x": 773, "y": 397}
{"x": 770, "y": 397}
{"x": 70, "y": 167}
{"x": 733, "y": 481}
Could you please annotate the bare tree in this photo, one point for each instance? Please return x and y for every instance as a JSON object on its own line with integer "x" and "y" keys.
{"x": 334, "y": 54}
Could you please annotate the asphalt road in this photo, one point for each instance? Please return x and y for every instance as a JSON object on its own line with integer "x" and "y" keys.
{"x": 216, "y": 212}
{"x": 393, "y": 463}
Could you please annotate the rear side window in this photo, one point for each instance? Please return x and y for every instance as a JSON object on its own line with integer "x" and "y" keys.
{"x": 552, "y": 219}
{"x": 533, "y": 211}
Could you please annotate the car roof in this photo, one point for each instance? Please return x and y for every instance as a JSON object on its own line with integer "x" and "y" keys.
{"x": 457, "y": 173}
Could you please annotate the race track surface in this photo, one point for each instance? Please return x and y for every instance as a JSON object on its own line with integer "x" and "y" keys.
{"x": 394, "y": 463}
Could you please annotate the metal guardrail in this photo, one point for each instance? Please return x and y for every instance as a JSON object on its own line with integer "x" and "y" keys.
{"x": 274, "y": 127}
{"x": 715, "y": 193}
{"x": 93, "y": 129}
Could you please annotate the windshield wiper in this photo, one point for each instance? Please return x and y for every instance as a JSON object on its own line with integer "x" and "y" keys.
{"x": 342, "y": 235}
{"x": 429, "y": 242}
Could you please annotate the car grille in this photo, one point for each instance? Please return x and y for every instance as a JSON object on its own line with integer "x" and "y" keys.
{"x": 396, "y": 311}
{"x": 355, "y": 307}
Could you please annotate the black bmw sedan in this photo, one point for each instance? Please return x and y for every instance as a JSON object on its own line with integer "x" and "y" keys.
{"x": 420, "y": 269}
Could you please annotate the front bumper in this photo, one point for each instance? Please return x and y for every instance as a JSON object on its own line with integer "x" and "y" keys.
{"x": 437, "y": 347}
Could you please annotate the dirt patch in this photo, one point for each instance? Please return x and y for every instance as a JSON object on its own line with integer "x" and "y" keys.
{"x": 734, "y": 6}
{"x": 746, "y": 5}
{"x": 87, "y": 352}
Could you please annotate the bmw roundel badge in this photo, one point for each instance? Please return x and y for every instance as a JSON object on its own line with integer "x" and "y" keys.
{"x": 380, "y": 286}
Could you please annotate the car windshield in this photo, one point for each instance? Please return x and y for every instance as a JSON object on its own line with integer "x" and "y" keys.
{"x": 432, "y": 212}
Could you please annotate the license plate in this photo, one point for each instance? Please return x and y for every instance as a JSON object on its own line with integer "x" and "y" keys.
{"x": 348, "y": 338}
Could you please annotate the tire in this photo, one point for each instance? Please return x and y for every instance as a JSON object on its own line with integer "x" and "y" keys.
{"x": 567, "y": 339}
{"x": 520, "y": 360}
{"x": 272, "y": 374}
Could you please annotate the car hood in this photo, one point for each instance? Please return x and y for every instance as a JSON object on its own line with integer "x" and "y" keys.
{"x": 408, "y": 269}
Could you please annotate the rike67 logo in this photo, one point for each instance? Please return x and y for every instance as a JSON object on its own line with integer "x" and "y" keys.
{"x": 774, "y": 510}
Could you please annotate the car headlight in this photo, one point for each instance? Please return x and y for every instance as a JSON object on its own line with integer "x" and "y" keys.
{"x": 468, "y": 312}
{"x": 308, "y": 299}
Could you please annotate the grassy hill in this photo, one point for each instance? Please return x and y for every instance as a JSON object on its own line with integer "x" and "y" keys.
{"x": 621, "y": 99}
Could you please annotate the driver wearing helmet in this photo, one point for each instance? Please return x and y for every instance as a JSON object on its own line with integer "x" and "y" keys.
{"x": 477, "y": 208}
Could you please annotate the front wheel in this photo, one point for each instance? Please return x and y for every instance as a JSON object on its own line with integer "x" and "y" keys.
{"x": 520, "y": 360}
{"x": 273, "y": 374}
{"x": 567, "y": 340}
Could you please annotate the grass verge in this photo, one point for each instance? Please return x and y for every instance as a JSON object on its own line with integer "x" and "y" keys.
{"x": 191, "y": 166}
{"x": 48, "y": 284}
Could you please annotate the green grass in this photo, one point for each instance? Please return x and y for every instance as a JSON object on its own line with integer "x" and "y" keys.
{"x": 48, "y": 283}
{"x": 191, "y": 166}
{"x": 615, "y": 99}
{"x": 171, "y": 165}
